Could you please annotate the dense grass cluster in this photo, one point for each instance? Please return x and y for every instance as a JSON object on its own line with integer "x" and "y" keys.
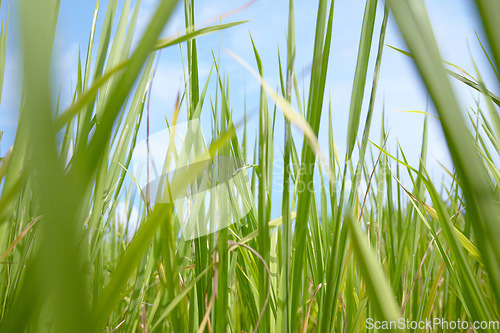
{"x": 336, "y": 257}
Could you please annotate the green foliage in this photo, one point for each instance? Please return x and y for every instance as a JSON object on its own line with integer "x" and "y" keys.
{"x": 70, "y": 261}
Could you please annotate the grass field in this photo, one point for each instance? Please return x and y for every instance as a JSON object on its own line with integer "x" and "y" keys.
{"x": 402, "y": 248}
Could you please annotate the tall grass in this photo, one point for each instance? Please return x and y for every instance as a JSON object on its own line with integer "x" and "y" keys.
{"x": 336, "y": 257}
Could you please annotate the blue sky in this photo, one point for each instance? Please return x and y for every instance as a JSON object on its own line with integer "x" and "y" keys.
{"x": 454, "y": 23}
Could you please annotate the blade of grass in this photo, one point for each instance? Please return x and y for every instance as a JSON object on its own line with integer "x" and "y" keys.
{"x": 381, "y": 295}
{"x": 415, "y": 26}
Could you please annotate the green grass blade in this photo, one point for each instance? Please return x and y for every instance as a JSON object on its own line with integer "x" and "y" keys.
{"x": 358, "y": 88}
{"x": 381, "y": 295}
{"x": 415, "y": 26}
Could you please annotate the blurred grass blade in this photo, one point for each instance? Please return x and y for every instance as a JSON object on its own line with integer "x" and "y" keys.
{"x": 481, "y": 202}
{"x": 381, "y": 296}
{"x": 3, "y": 51}
{"x": 358, "y": 88}
{"x": 488, "y": 10}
